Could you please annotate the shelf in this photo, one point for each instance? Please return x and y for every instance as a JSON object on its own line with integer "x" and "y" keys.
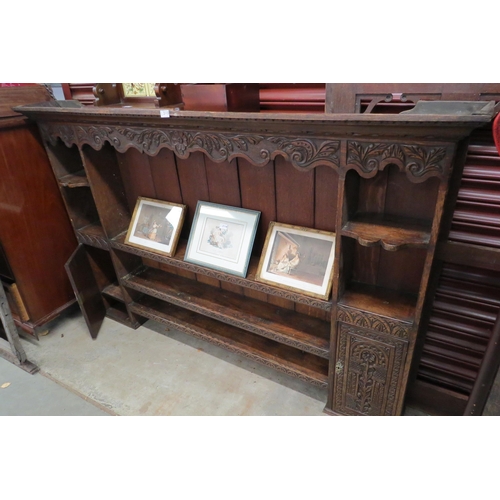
{"x": 304, "y": 366}
{"x": 249, "y": 282}
{"x": 78, "y": 179}
{"x": 118, "y": 315}
{"x": 391, "y": 233}
{"x": 282, "y": 325}
{"x": 114, "y": 291}
{"x": 93, "y": 235}
{"x": 380, "y": 301}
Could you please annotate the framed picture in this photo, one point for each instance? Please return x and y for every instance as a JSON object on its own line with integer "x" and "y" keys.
{"x": 298, "y": 259}
{"x": 222, "y": 237}
{"x": 156, "y": 225}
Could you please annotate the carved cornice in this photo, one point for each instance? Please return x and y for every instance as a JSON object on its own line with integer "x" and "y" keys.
{"x": 221, "y": 276}
{"x": 179, "y": 325}
{"x": 304, "y": 154}
{"x": 239, "y": 323}
{"x": 374, "y": 322}
{"x": 419, "y": 162}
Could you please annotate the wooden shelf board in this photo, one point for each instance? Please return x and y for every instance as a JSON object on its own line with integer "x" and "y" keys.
{"x": 118, "y": 315}
{"x": 305, "y": 366}
{"x": 282, "y": 325}
{"x": 78, "y": 179}
{"x": 249, "y": 282}
{"x": 380, "y": 301}
{"x": 92, "y": 235}
{"x": 114, "y": 291}
{"x": 391, "y": 233}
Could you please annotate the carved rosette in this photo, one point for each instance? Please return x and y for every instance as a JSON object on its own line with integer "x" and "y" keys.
{"x": 419, "y": 162}
{"x": 369, "y": 380}
{"x": 148, "y": 313}
{"x": 239, "y": 323}
{"x": 374, "y": 322}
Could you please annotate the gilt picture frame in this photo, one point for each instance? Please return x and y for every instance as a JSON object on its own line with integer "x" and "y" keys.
{"x": 298, "y": 259}
{"x": 156, "y": 226}
{"x": 222, "y": 237}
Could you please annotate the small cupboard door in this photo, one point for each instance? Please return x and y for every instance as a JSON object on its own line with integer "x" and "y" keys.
{"x": 86, "y": 290}
{"x": 368, "y": 369}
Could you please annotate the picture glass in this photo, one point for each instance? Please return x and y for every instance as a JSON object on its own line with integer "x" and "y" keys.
{"x": 222, "y": 237}
{"x": 156, "y": 225}
{"x": 298, "y": 258}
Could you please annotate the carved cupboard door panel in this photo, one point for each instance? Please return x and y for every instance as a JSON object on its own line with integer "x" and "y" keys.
{"x": 368, "y": 370}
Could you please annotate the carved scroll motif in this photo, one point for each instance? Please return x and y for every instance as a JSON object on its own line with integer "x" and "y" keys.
{"x": 218, "y": 146}
{"x": 368, "y": 383}
{"x": 373, "y": 322}
{"x": 419, "y": 162}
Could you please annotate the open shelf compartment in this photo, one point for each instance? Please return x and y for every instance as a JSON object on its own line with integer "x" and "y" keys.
{"x": 118, "y": 243}
{"x": 289, "y": 360}
{"x": 282, "y": 325}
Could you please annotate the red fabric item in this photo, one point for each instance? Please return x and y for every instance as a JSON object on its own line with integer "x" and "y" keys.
{"x": 496, "y": 132}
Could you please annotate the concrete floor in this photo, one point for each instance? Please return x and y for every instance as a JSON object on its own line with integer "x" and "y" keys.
{"x": 155, "y": 371}
{"x": 148, "y": 371}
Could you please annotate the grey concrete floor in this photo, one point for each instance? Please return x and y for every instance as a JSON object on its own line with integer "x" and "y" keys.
{"x": 156, "y": 371}
{"x": 149, "y": 371}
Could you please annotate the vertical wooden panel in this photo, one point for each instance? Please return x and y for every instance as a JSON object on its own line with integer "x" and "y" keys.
{"x": 208, "y": 280}
{"x": 223, "y": 182}
{"x": 107, "y": 189}
{"x": 325, "y": 209}
{"x": 401, "y": 270}
{"x": 257, "y": 193}
{"x": 372, "y": 193}
{"x": 165, "y": 178}
{"x": 408, "y": 199}
{"x": 294, "y": 194}
{"x": 194, "y": 187}
{"x": 135, "y": 170}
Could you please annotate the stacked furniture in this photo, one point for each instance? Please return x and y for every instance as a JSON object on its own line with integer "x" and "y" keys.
{"x": 379, "y": 182}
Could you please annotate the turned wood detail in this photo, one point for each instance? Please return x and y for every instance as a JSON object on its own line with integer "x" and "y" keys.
{"x": 368, "y": 371}
{"x": 244, "y": 325}
{"x": 147, "y": 313}
{"x": 373, "y": 322}
{"x": 246, "y": 283}
{"x": 419, "y": 162}
{"x": 304, "y": 154}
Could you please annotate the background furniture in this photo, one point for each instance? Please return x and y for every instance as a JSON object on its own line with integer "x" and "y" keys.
{"x": 380, "y": 183}
{"x": 35, "y": 233}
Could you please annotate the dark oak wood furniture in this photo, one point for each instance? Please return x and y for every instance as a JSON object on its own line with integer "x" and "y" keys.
{"x": 379, "y": 182}
{"x": 35, "y": 232}
{"x": 454, "y": 365}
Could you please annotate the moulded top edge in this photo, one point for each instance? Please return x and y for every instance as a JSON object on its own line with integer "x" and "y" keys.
{"x": 457, "y": 115}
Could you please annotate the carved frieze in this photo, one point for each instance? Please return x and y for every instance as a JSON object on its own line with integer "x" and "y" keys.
{"x": 419, "y": 162}
{"x": 373, "y": 322}
{"x": 50, "y": 132}
{"x": 218, "y": 146}
{"x": 370, "y": 366}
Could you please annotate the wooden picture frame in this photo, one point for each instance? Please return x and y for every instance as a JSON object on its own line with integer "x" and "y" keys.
{"x": 222, "y": 237}
{"x": 299, "y": 259}
{"x": 156, "y": 226}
